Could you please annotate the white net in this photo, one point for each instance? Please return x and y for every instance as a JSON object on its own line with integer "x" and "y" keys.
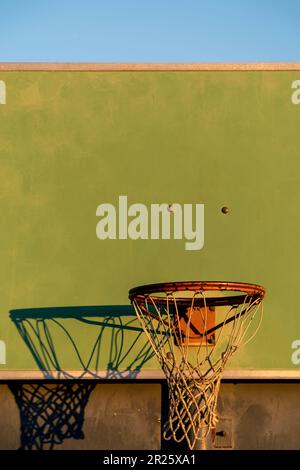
{"x": 193, "y": 333}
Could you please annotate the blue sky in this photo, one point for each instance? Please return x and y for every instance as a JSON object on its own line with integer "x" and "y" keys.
{"x": 149, "y": 30}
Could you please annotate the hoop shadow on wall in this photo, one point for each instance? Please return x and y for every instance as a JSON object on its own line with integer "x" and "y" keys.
{"x": 84, "y": 342}
{"x": 93, "y": 342}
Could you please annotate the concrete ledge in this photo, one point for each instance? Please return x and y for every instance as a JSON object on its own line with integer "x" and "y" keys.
{"x": 251, "y": 374}
{"x": 144, "y": 67}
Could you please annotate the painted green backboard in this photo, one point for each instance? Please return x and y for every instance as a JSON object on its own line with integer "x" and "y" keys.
{"x": 71, "y": 141}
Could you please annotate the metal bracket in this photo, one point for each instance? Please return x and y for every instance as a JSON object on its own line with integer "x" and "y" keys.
{"x": 223, "y": 434}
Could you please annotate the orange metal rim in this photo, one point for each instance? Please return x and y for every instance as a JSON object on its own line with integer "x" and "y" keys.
{"x": 138, "y": 293}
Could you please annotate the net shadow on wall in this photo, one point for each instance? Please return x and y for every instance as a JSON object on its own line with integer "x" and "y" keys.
{"x": 93, "y": 342}
{"x": 84, "y": 342}
{"x": 50, "y": 412}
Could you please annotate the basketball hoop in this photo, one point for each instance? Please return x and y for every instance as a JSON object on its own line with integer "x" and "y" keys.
{"x": 194, "y": 328}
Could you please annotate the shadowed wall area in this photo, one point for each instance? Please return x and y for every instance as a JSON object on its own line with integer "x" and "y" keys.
{"x": 127, "y": 416}
{"x": 117, "y": 416}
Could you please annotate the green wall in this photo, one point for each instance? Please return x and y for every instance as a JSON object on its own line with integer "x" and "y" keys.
{"x": 70, "y": 141}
